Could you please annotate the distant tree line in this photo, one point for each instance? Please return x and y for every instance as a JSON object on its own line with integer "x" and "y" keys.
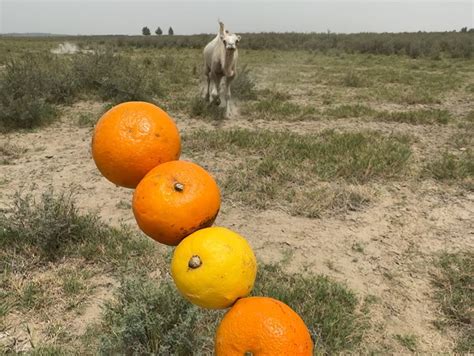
{"x": 146, "y": 31}
{"x": 414, "y": 44}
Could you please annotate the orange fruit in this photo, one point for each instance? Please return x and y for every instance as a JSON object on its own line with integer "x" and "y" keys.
{"x": 213, "y": 267}
{"x": 262, "y": 326}
{"x": 174, "y": 200}
{"x": 132, "y": 138}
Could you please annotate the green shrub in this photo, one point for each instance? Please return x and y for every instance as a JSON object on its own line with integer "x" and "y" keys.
{"x": 243, "y": 86}
{"x": 52, "y": 227}
{"x": 116, "y": 78}
{"x": 329, "y": 309}
{"x": 148, "y": 317}
{"x": 31, "y": 85}
{"x": 28, "y": 88}
{"x": 152, "y": 318}
{"x": 25, "y": 112}
{"x": 353, "y": 80}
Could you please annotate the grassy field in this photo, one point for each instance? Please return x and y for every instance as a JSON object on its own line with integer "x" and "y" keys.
{"x": 351, "y": 174}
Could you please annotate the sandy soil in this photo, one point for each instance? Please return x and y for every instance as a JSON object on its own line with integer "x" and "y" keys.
{"x": 398, "y": 235}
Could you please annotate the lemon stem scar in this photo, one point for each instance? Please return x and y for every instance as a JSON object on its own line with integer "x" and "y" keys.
{"x": 178, "y": 187}
{"x": 248, "y": 353}
{"x": 194, "y": 262}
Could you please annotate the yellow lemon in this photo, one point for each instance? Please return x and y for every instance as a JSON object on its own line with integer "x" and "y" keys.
{"x": 213, "y": 267}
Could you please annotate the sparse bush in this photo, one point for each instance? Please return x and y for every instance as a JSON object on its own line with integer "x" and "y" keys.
{"x": 328, "y": 308}
{"x": 152, "y": 318}
{"x": 10, "y": 151}
{"x": 26, "y": 112}
{"x": 30, "y": 86}
{"x": 243, "y": 86}
{"x": 116, "y": 78}
{"x": 52, "y": 227}
{"x": 353, "y": 80}
{"x": 40, "y": 75}
{"x": 86, "y": 120}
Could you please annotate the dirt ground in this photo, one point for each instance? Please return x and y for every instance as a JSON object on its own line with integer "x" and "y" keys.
{"x": 384, "y": 251}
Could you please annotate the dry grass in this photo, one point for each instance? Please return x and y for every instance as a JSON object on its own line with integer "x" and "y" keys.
{"x": 454, "y": 282}
{"x": 290, "y": 171}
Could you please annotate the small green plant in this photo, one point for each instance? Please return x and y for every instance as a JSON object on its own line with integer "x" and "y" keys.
{"x": 86, "y": 120}
{"x": 10, "y": 151}
{"x": 72, "y": 284}
{"x": 353, "y": 80}
{"x": 32, "y": 296}
{"x": 408, "y": 341}
{"x": 357, "y": 247}
{"x": 243, "y": 86}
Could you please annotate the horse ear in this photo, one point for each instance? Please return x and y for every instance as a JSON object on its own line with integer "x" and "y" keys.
{"x": 221, "y": 28}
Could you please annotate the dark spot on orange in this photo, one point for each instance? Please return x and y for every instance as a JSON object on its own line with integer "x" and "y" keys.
{"x": 208, "y": 222}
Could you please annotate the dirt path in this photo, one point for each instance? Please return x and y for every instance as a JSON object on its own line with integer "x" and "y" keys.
{"x": 385, "y": 251}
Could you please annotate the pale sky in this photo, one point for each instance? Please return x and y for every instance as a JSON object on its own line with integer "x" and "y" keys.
{"x": 89, "y": 17}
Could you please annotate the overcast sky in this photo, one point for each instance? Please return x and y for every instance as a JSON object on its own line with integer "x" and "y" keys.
{"x": 188, "y": 17}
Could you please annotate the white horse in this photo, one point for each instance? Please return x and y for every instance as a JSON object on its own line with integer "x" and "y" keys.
{"x": 220, "y": 61}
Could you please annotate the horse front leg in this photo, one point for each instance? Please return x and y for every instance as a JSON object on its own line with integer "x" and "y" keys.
{"x": 215, "y": 89}
{"x": 228, "y": 103}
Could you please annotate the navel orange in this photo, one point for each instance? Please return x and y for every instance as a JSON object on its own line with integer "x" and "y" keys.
{"x": 131, "y": 139}
{"x": 262, "y": 326}
{"x": 175, "y": 199}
